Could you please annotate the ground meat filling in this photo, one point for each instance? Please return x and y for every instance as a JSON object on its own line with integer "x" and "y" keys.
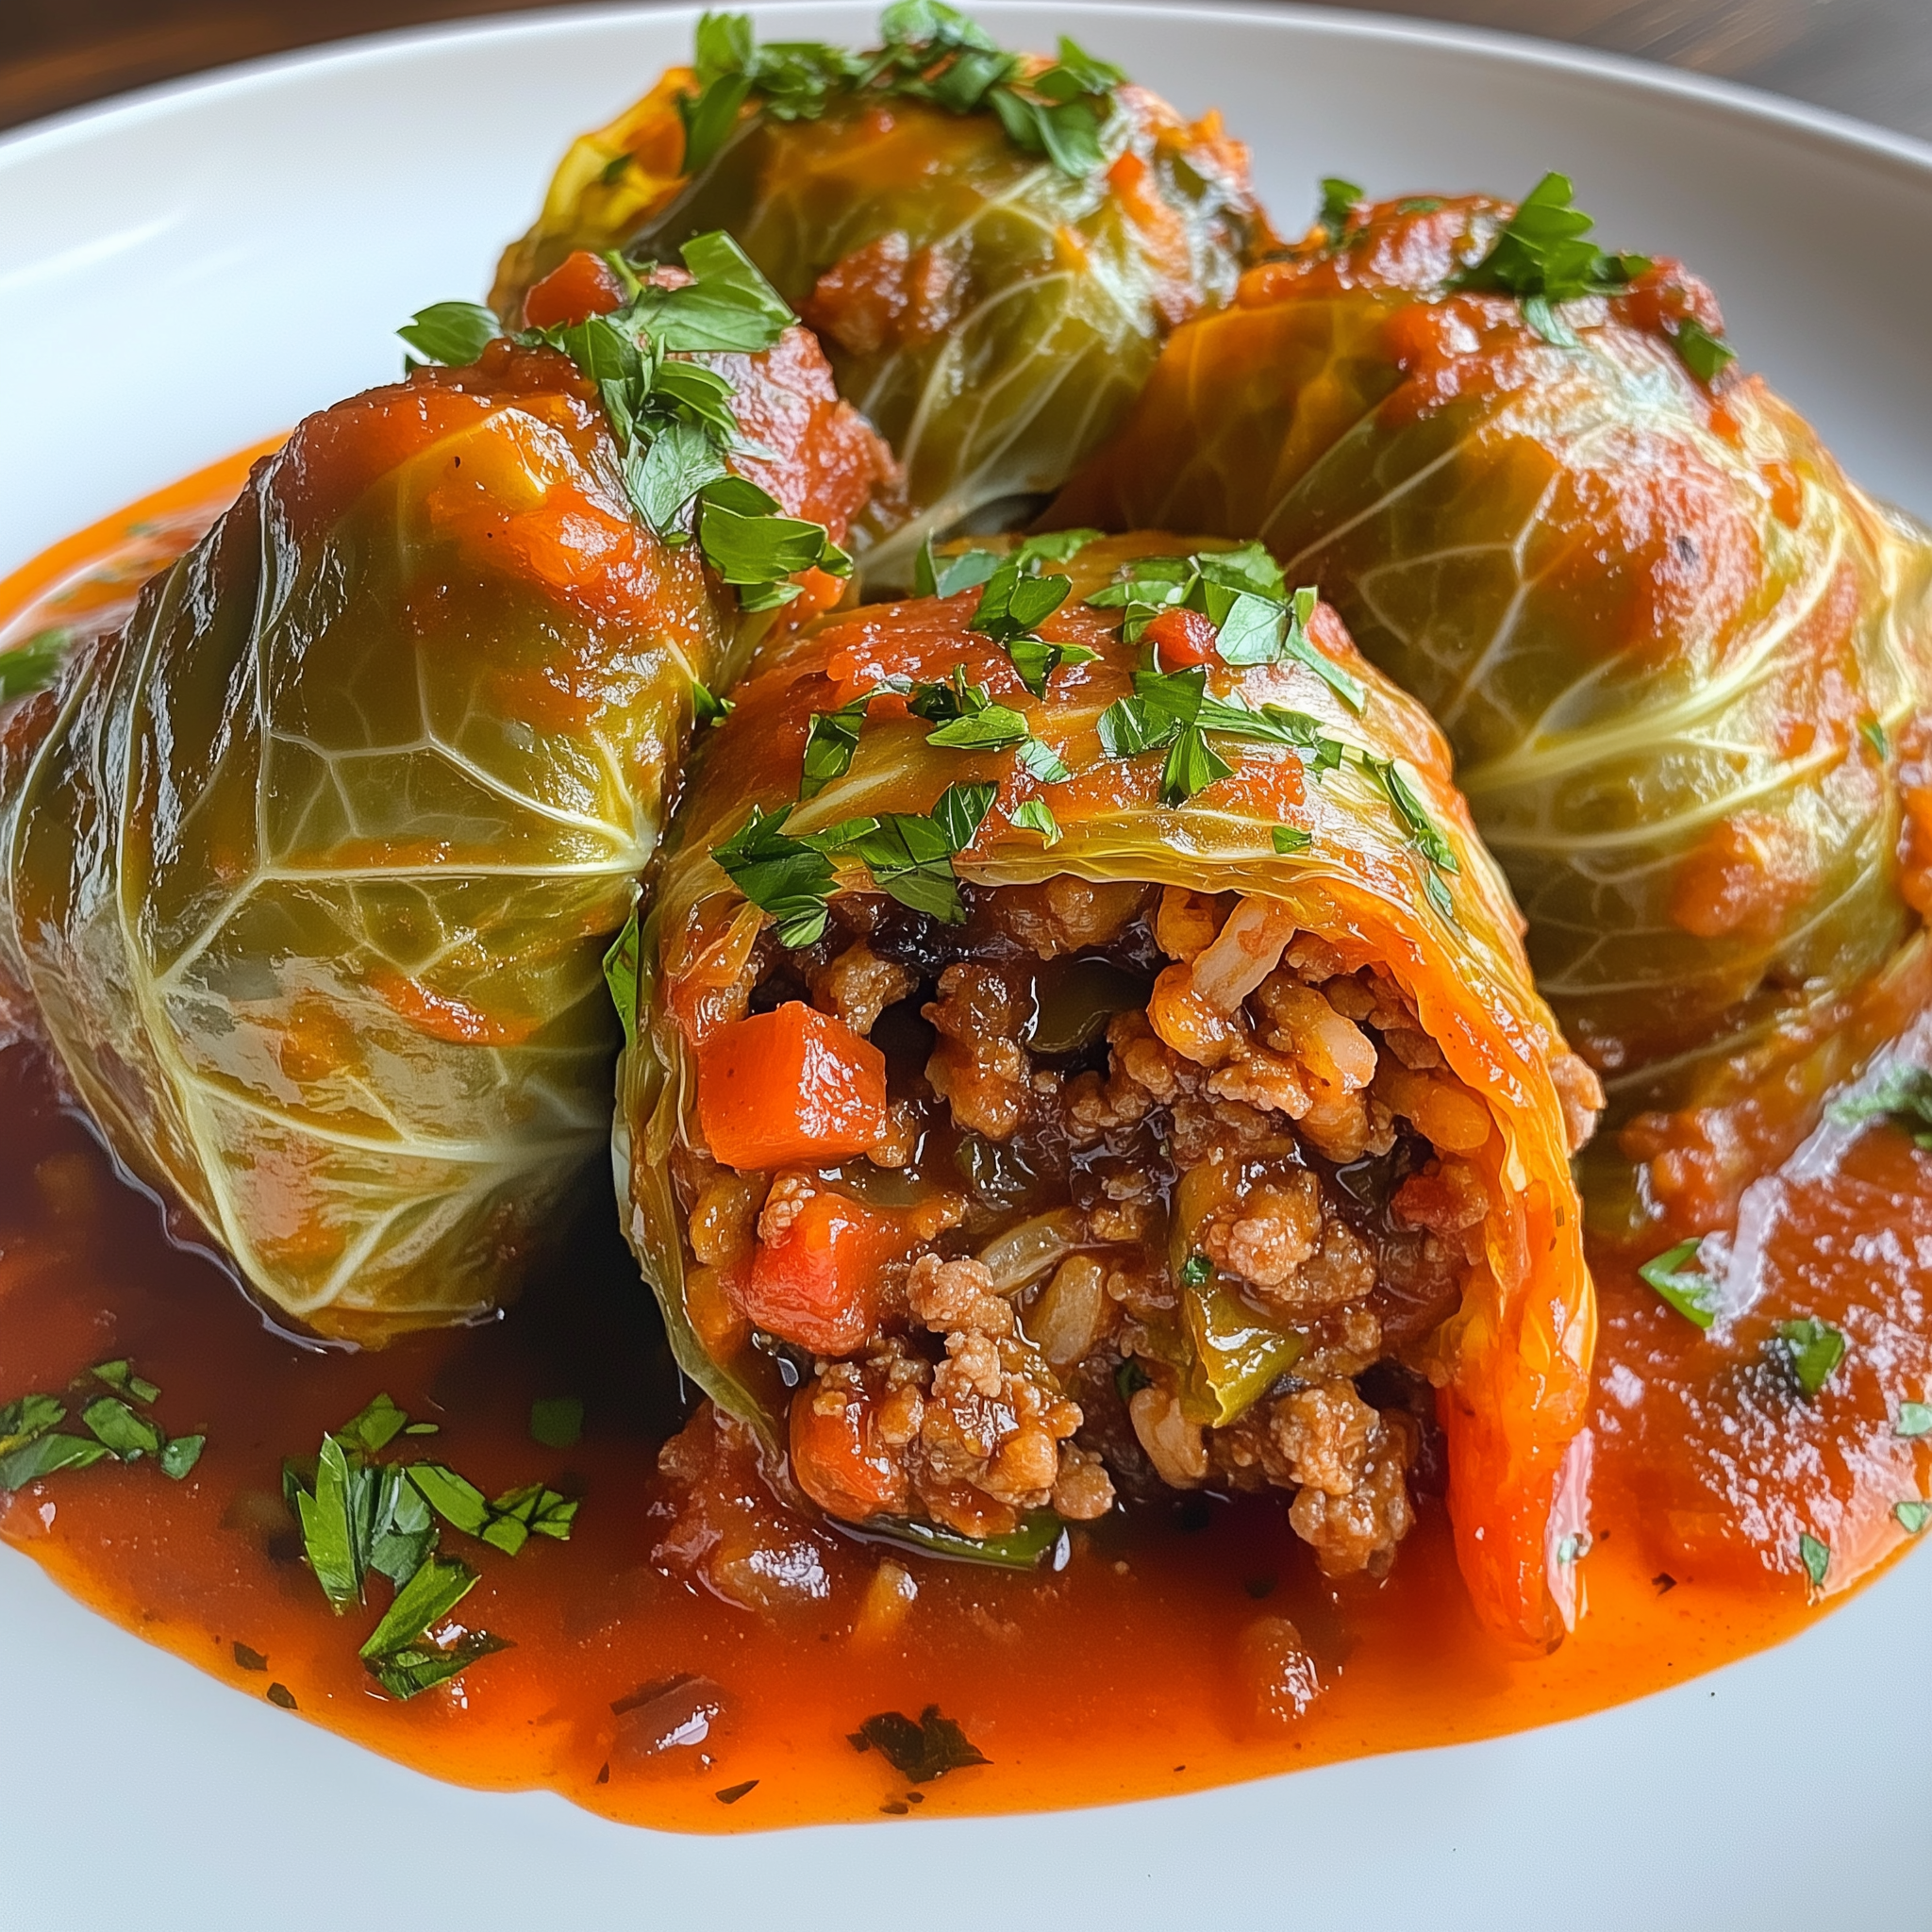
{"x": 1114, "y": 1111}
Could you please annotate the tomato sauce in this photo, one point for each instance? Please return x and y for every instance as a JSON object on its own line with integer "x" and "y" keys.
{"x": 1154, "y": 1658}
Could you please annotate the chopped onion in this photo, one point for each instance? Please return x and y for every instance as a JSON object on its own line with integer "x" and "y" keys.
{"x": 1026, "y": 1253}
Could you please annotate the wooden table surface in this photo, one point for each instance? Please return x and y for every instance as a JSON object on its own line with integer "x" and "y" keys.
{"x": 1869, "y": 57}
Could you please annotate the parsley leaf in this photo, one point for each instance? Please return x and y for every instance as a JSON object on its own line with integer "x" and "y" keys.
{"x": 931, "y": 52}
{"x": 1902, "y": 1098}
{"x": 1541, "y": 256}
{"x": 123, "y": 1432}
{"x": 1814, "y": 1350}
{"x": 1424, "y": 833}
{"x": 34, "y": 666}
{"x": 1040, "y": 761}
{"x": 1036, "y": 815}
{"x": 1914, "y": 1419}
{"x": 375, "y": 1428}
{"x": 920, "y": 1751}
{"x": 121, "y": 1375}
{"x": 428, "y": 1596}
{"x": 1012, "y": 604}
{"x": 1196, "y": 1269}
{"x": 1816, "y": 1557}
{"x": 621, "y": 965}
{"x": 1339, "y": 200}
{"x": 1036, "y": 660}
{"x": 1912, "y": 1515}
{"x": 991, "y": 728}
{"x": 1287, "y": 839}
{"x": 780, "y": 875}
{"x": 1689, "y": 1291}
{"x": 831, "y": 739}
{"x": 455, "y": 333}
{"x": 1171, "y": 709}
{"x": 1873, "y": 732}
{"x": 1706, "y": 355}
{"x": 47, "y": 1456}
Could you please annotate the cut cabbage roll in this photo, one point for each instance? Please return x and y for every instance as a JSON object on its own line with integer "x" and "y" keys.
{"x": 311, "y": 868}
{"x": 989, "y": 246}
{"x": 1080, "y": 1048}
{"x": 1680, "y": 656}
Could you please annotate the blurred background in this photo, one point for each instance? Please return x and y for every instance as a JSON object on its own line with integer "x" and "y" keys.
{"x": 1867, "y": 57}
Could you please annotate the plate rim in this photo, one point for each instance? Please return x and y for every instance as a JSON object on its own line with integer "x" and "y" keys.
{"x": 1820, "y": 127}
{"x": 1821, "y": 131}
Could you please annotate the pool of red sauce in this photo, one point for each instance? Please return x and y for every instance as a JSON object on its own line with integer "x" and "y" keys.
{"x": 1143, "y": 1665}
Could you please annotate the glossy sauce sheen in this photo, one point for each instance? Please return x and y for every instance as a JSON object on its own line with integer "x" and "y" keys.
{"x": 1709, "y": 1466}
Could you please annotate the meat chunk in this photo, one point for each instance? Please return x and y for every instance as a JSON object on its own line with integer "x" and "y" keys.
{"x": 1288, "y": 1245}
{"x": 1351, "y": 1462}
{"x": 979, "y": 1067}
{"x": 858, "y": 986}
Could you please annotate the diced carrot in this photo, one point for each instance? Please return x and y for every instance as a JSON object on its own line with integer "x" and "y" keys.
{"x": 818, "y": 1284}
{"x": 1180, "y": 638}
{"x": 788, "y": 1088}
{"x": 581, "y": 286}
{"x": 837, "y": 1462}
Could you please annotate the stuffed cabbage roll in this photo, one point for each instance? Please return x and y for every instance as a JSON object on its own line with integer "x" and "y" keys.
{"x": 990, "y": 246}
{"x": 309, "y": 869}
{"x": 1080, "y": 1047}
{"x": 1677, "y": 654}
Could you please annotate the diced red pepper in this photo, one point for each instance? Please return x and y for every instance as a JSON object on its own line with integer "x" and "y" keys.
{"x": 818, "y": 1284}
{"x": 1180, "y": 638}
{"x": 790, "y": 1087}
{"x": 581, "y": 286}
{"x": 839, "y": 1462}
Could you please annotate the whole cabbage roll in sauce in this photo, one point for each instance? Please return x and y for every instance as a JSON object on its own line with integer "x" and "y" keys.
{"x": 1682, "y": 660}
{"x": 1080, "y": 1049}
{"x": 308, "y": 869}
{"x": 990, "y": 246}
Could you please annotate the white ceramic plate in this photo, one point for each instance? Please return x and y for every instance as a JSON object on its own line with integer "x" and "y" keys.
{"x": 191, "y": 269}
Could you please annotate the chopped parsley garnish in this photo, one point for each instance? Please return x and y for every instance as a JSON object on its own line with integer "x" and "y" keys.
{"x": 1543, "y": 258}
{"x": 1241, "y": 593}
{"x": 621, "y": 966}
{"x": 929, "y": 52}
{"x": 1129, "y": 1378}
{"x": 1424, "y": 833}
{"x": 360, "y": 1518}
{"x": 1913, "y": 1419}
{"x": 505, "y": 1524}
{"x": 1288, "y": 839}
{"x": 1339, "y": 200}
{"x": 919, "y": 1751}
{"x": 909, "y": 854}
{"x": 1196, "y": 1269}
{"x": 830, "y": 740}
{"x": 1873, "y": 732}
{"x": 281, "y": 1697}
{"x": 34, "y": 666}
{"x": 731, "y": 1793}
{"x": 1912, "y": 1515}
{"x": 121, "y": 1375}
{"x": 248, "y": 1660}
{"x": 1903, "y": 1098}
{"x": 557, "y": 1421}
{"x": 1813, "y": 1349}
{"x": 1036, "y": 815}
{"x": 1816, "y": 1557}
{"x": 1706, "y": 355}
{"x": 707, "y": 709}
{"x": 1171, "y": 709}
{"x": 33, "y": 1446}
{"x": 1689, "y": 1291}
{"x": 789, "y": 879}
{"x": 672, "y": 418}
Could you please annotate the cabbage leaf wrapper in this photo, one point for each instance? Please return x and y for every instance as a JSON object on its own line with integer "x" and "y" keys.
{"x": 1330, "y": 818}
{"x": 992, "y": 314}
{"x": 1682, "y": 660}
{"x": 309, "y": 869}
